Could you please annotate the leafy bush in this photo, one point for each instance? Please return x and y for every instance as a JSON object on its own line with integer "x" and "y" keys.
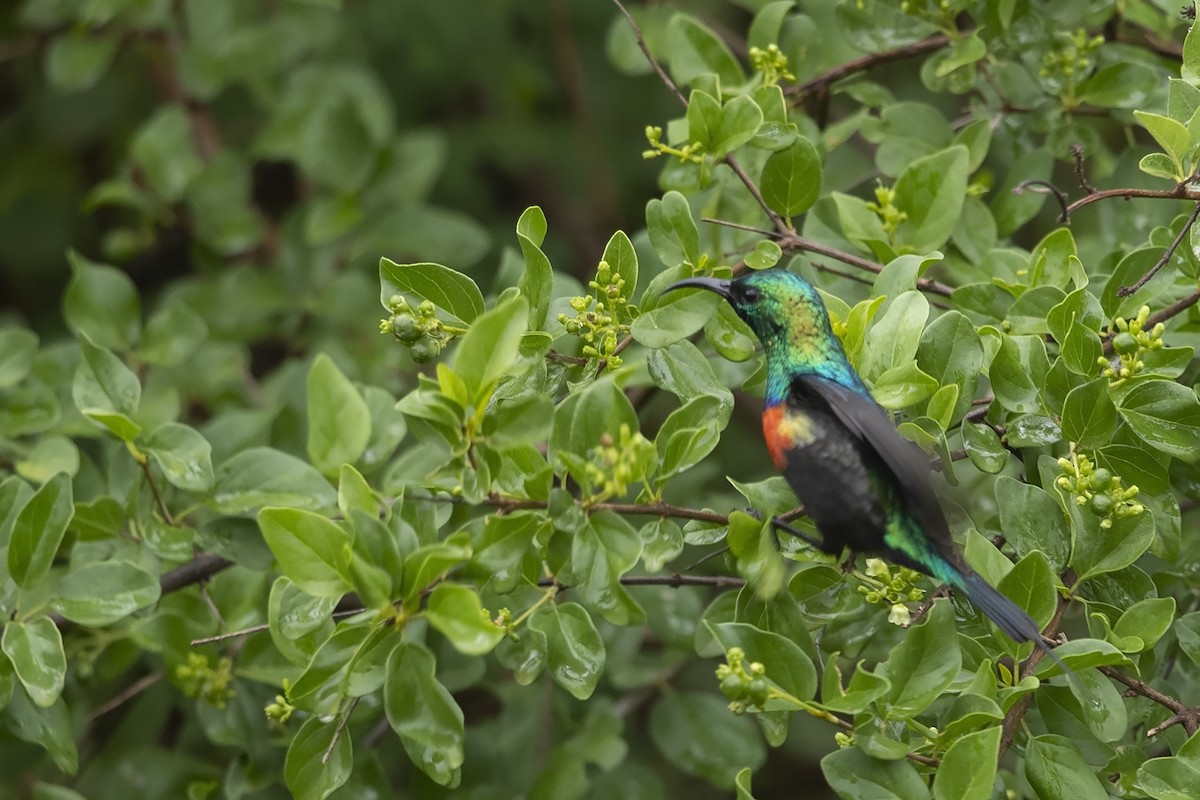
{"x": 244, "y": 555}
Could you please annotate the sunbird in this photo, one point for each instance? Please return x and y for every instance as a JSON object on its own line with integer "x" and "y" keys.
{"x": 864, "y": 486}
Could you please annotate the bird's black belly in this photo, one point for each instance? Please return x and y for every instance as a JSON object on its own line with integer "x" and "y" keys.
{"x": 831, "y": 474}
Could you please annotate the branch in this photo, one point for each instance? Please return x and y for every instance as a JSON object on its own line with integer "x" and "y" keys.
{"x": 199, "y": 569}
{"x": 674, "y": 580}
{"x": 1015, "y": 714}
{"x": 1125, "y": 291}
{"x": 1182, "y": 714}
{"x": 1180, "y": 192}
{"x": 144, "y": 462}
{"x": 822, "y": 81}
{"x": 641, "y": 43}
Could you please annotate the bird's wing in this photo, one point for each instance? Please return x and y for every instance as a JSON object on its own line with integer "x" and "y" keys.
{"x": 863, "y": 417}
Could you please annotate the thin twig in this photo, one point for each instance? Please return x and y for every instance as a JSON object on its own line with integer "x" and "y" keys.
{"x": 1077, "y": 157}
{"x": 823, "y": 80}
{"x": 641, "y": 43}
{"x": 144, "y": 462}
{"x": 674, "y": 581}
{"x": 1038, "y": 186}
{"x": 1125, "y": 291}
{"x": 337, "y": 733}
{"x": 128, "y": 693}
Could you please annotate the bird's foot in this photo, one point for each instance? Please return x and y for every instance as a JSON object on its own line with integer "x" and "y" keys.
{"x": 849, "y": 564}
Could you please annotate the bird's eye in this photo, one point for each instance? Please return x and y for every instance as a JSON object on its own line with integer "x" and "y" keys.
{"x": 750, "y": 294}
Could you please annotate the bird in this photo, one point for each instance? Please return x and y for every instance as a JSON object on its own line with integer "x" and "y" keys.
{"x": 863, "y": 485}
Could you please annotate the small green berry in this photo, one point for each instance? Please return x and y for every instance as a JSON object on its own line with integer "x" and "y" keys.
{"x": 404, "y": 328}
{"x": 425, "y": 350}
{"x": 1125, "y": 343}
{"x": 759, "y": 691}
{"x": 1101, "y": 504}
{"x": 1100, "y": 479}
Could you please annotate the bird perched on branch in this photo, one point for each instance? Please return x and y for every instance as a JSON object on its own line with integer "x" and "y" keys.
{"x": 864, "y": 486}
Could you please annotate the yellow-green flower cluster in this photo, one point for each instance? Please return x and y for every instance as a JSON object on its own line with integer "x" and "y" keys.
{"x": 1069, "y": 62}
{"x": 771, "y": 63}
{"x": 420, "y": 329}
{"x": 281, "y": 710}
{"x": 692, "y": 151}
{"x": 1098, "y": 489}
{"x": 893, "y": 587}
{"x": 1131, "y": 342}
{"x": 885, "y": 208}
{"x": 613, "y": 466}
{"x": 602, "y": 318}
{"x": 745, "y": 684}
{"x": 202, "y": 681}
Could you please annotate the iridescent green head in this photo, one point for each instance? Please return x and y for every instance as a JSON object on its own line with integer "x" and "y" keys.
{"x": 787, "y": 315}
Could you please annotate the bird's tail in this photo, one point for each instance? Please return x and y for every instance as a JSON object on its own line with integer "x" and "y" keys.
{"x": 1008, "y": 616}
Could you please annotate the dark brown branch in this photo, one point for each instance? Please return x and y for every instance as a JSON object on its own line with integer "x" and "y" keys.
{"x": 822, "y": 81}
{"x": 199, "y": 569}
{"x": 674, "y": 580}
{"x": 1125, "y": 291}
{"x": 1077, "y": 157}
{"x": 1182, "y": 714}
{"x": 1180, "y": 192}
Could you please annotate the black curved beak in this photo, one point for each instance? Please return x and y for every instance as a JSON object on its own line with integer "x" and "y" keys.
{"x": 715, "y": 285}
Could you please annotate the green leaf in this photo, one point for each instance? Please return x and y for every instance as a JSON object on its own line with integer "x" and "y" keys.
{"x": 924, "y": 663}
{"x": 1081, "y": 350}
{"x": 1190, "y": 70}
{"x": 50, "y": 456}
{"x": 164, "y": 150}
{"x": 107, "y": 391}
{"x": 1097, "y": 550}
{"x": 1089, "y": 417}
{"x": 575, "y": 652}
{"x": 672, "y": 230}
{"x": 1032, "y": 520}
{"x": 853, "y": 774}
{"x": 694, "y": 50}
{"x": 446, "y": 288}
{"x": 35, "y": 649}
{"x": 601, "y": 552}
{"x": 984, "y": 448}
{"x": 893, "y": 340}
{"x": 1158, "y": 165}
{"x": 316, "y": 765}
{"x": 674, "y": 316}
{"x": 931, "y": 191}
{"x": 622, "y": 260}
{"x": 102, "y": 592}
{"x": 503, "y": 550}
{"x": 1170, "y": 777}
{"x": 17, "y": 349}
{"x": 689, "y": 434}
{"x": 682, "y": 370}
{"x": 423, "y": 713}
{"x": 101, "y": 302}
{"x": 791, "y": 178}
{"x": 184, "y": 456}
{"x": 584, "y": 418}
{"x": 951, "y": 351}
{"x": 787, "y": 665}
{"x": 455, "y": 610}
{"x": 172, "y": 335}
{"x": 1171, "y": 135}
{"x": 76, "y": 60}
{"x": 968, "y": 769}
{"x": 536, "y": 282}
{"x": 902, "y": 386}
{"x": 717, "y": 745}
{"x": 1165, "y": 416}
{"x": 262, "y": 476}
{"x": 1123, "y": 85}
{"x": 339, "y": 421}
{"x": 312, "y": 550}
{"x": 38, "y": 531}
{"x": 489, "y": 349}
{"x": 430, "y": 562}
{"x": 1148, "y": 619}
{"x": 1056, "y": 768}
{"x": 1011, "y": 381}
{"x": 51, "y": 728}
